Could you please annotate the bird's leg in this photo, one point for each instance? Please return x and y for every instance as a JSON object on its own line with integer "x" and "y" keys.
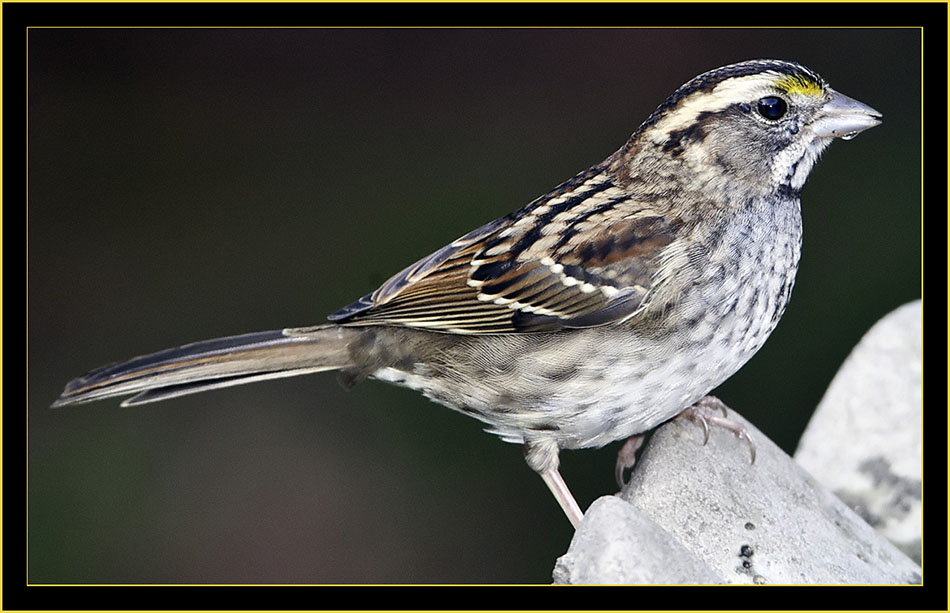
{"x": 563, "y": 495}
{"x": 627, "y": 457}
{"x": 542, "y": 457}
{"x": 706, "y": 411}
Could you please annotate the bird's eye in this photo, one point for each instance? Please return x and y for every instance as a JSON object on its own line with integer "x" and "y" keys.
{"x": 772, "y": 107}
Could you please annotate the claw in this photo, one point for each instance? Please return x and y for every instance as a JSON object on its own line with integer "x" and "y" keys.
{"x": 705, "y": 424}
{"x": 627, "y": 457}
{"x": 703, "y": 412}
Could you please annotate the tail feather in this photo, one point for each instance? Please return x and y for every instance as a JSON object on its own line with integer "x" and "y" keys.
{"x": 213, "y": 364}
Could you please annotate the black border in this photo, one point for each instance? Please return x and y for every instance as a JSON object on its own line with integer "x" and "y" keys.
{"x": 931, "y": 16}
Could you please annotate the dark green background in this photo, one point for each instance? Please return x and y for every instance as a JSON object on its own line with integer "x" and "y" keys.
{"x": 188, "y": 184}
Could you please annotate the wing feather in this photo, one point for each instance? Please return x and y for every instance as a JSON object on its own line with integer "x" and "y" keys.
{"x": 583, "y": 255}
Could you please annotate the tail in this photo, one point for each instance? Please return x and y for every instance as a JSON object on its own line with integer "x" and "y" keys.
{"x": 217, "y": 363}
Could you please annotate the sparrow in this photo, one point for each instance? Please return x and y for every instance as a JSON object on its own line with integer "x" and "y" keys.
{"x": 595, "y": 313}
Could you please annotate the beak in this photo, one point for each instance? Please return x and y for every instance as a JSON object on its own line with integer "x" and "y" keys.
{"x": 844, "y": 117}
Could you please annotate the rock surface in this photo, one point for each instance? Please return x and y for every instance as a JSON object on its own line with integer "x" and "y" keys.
{"x": 634, "y": 550}
{"x": 875, "y": 404}
{"x": 702, "y": 514}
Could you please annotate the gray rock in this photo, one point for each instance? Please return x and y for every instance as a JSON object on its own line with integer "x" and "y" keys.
{"x": 725, "y": 519}
{"x": 633, "y": 549}
{"x": 874, "y": 404}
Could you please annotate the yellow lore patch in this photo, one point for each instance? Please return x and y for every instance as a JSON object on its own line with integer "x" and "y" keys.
{"x": 799, "y": 84}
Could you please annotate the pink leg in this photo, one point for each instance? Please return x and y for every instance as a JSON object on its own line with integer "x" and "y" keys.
{"x": 563, "y": 495}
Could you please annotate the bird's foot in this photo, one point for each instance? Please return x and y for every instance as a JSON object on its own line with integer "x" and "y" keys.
{"x": 706, "y": 411}
{"x": 627, "y": 457}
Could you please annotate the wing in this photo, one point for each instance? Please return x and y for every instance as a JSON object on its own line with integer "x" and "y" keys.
{"x": 582, "y": 255}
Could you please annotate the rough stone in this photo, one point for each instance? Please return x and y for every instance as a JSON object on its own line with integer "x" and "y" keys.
{"x": 634, "y": 549}
{"x": 875, "y": 404}
{"x": 705, "y": 513}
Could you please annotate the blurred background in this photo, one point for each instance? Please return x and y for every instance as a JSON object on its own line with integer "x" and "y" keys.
{"x": 189, "y": 184}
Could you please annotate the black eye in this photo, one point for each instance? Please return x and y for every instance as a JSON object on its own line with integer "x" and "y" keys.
{"x": 772, "y": 107}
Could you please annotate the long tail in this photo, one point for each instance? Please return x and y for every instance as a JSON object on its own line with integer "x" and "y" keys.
{"x": 217, "y": 363}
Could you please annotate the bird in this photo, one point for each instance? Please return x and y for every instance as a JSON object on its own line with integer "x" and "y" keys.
{"x": 605, "y": 307}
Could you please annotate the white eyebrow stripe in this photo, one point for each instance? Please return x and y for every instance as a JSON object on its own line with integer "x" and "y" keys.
{"x": 725, "y": 94}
